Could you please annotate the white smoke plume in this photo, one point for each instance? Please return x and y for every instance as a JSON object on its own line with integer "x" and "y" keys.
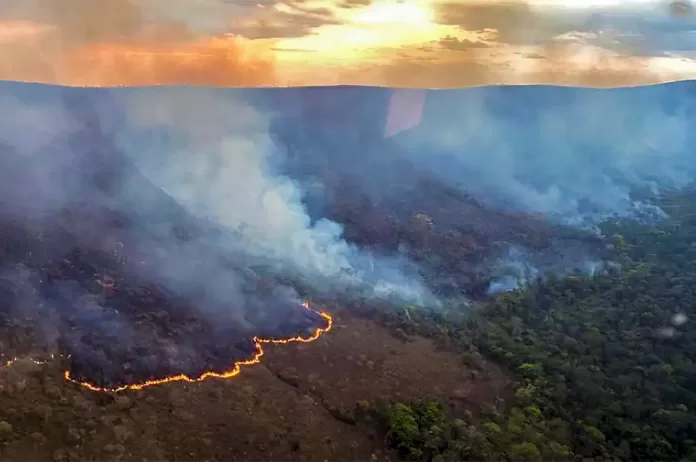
{"x": 212, "y": 152}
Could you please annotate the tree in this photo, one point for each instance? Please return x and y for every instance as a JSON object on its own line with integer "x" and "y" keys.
{"x": 525, "y": 452}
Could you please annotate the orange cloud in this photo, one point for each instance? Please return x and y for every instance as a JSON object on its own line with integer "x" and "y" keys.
{"x": 110, "y": 43}
{"x": 209, "y": 61}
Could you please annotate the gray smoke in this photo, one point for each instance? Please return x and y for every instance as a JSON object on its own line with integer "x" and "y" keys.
{"x": 518, "y": 266}
{"x": 575, "y": 155}
{"x": 210, "y": 151}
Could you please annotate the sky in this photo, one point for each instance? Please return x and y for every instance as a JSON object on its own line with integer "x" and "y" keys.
{"x": 397, "y": 43}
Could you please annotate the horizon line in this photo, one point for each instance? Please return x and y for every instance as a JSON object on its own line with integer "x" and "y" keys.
{"x": 347, "y": 85}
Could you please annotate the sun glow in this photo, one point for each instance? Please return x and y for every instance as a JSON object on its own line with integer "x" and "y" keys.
{"x": 363, "y": 32}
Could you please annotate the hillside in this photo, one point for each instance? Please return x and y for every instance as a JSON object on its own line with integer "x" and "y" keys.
{"x": 146, "y": 233}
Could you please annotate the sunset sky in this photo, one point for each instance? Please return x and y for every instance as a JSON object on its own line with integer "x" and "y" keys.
{"x": 411, "y": 43}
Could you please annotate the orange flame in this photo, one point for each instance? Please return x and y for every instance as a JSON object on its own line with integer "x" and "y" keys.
{"x": 236, "y": 368}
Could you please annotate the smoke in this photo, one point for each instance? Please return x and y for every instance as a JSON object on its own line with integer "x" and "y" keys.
{"x": 491, "y": 167}
{"x": 231, "y": 170}
{"x": 212, "y": 152}
{"x": 519, "y": 266}
{"x": 573, "y": 156}
{"x": 159, "y": 221}
{"x": 576, "y": 156}
{"x": 209, "y": 186}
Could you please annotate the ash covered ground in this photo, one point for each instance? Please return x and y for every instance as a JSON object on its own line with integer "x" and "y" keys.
{"x": 124, "y": 293}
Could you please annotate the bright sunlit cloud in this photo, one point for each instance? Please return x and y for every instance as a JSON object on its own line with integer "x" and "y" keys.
{"x": 380, "y": 25}
{"x": 404, "y": 13}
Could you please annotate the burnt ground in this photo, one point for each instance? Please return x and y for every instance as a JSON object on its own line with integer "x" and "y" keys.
{"x": 295, "y": 405}
{"x": 454, "y": 238}
{"x": 287, "y": 408}
{"x": 70, "y": 288}
{"x": 102, "y": 267}
{"x": 63, "y": 291}
{"x": 75, "y": 284}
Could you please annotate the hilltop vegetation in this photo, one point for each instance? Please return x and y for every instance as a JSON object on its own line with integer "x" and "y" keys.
{"x": 605, "y": 365}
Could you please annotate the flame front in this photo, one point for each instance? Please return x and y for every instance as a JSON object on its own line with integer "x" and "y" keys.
{"x": 233, "y": 372}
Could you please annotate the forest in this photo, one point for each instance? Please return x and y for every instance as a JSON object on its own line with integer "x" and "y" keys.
{"x": 605, "y": 365}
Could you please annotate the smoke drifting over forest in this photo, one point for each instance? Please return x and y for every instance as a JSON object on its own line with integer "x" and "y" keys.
{"x": 303, "y": 184}
{"x": 575, "y": 155}
{"x": 568, "y": 156}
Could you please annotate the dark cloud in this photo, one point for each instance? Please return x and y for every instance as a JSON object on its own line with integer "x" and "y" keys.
{"x": 517, "y": 22}
{"x": 632, "y": 30}
{"x": 90, "y": 21}
{"x": 292, "y": 19}
{"x": 681, "y": 8}
{"x": 453, "y": 43}
{"x": 514, "y": 22}
{"x": 648, "y": 31}
{"x": 81, "y": 21}
{"x": 353, "y": 3}
{"x": 534, "y": 55}
{"x": 645, "y": 32}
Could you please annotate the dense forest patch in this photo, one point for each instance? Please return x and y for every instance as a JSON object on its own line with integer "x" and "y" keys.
{"x": 605, "y": 364}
